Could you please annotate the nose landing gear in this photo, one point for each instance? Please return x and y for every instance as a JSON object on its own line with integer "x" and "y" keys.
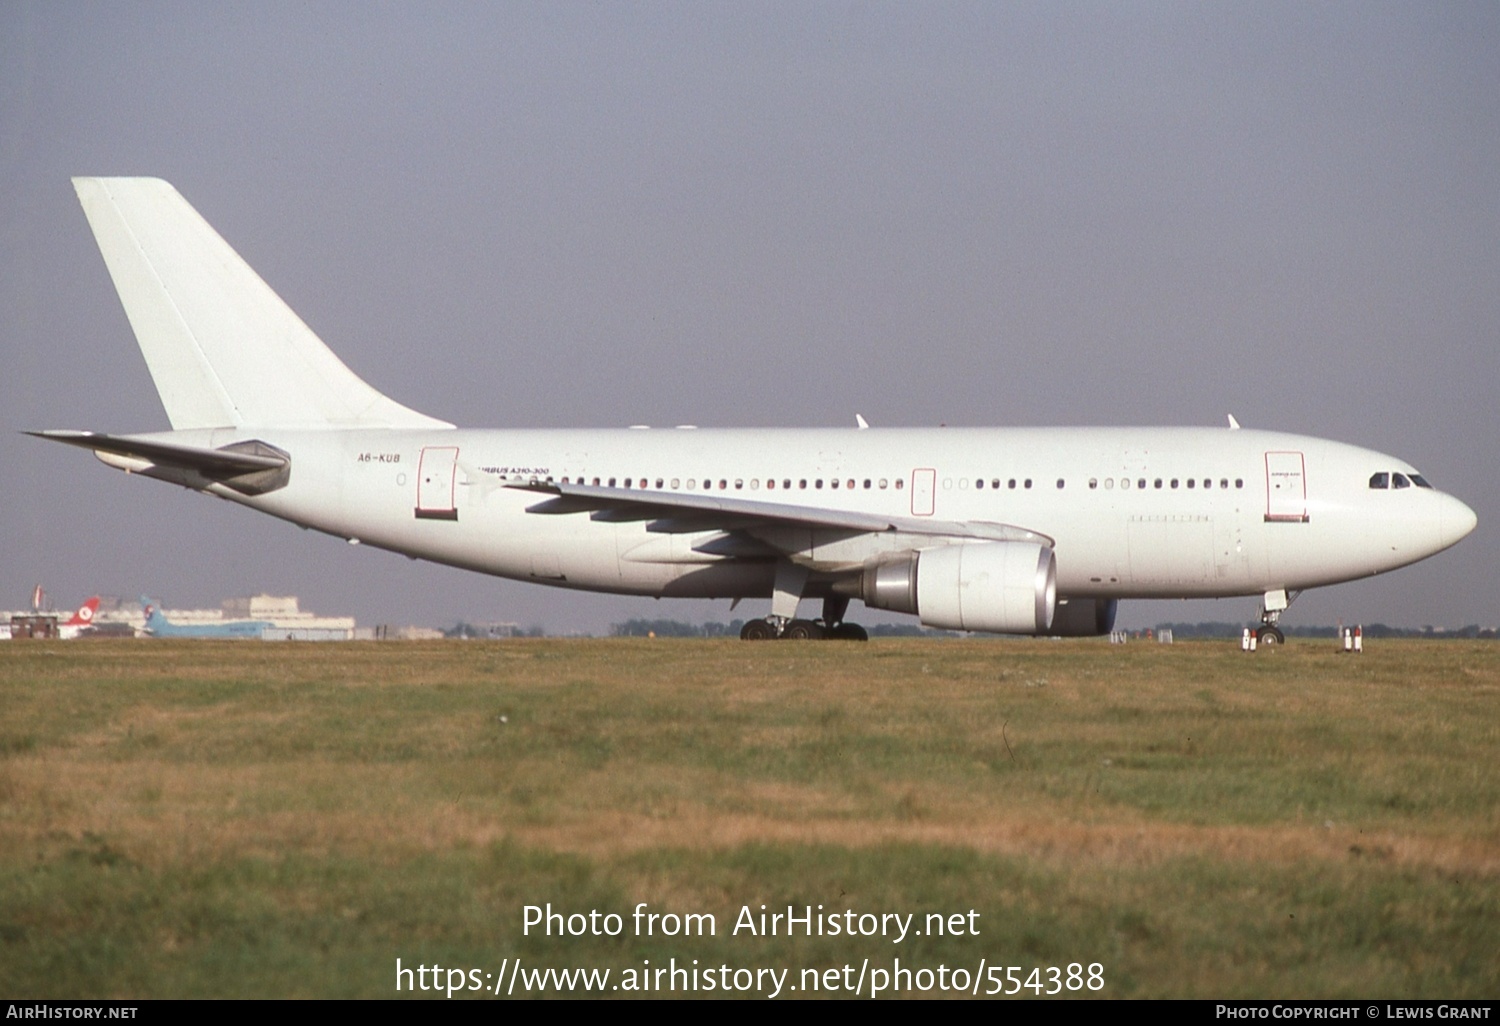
{"x": 1272, "y": 606}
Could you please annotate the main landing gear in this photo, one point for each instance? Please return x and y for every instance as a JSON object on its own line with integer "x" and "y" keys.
{"x": 802, "y": 630}
{"x": 831, "y": 626}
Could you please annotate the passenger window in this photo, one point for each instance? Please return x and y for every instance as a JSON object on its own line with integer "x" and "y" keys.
{"x": 1239, "y": 482}
{"x": 979, "y": 482}
{"x": 1059, "y": 484}
{"x": 1142, "y": 483}
{"x": 882, "y": 483}
{"x": 1223, "y": 482}
{"x": 1380, "y": 480}
{"x": 1192, "y": 483}
{"x": 1125, "y": 483}
{"x": 1028, "y": 482}
{"x": 1158, "y": 482}
{"x": 770, "y": 483}
{"x": 1012, "y": 482}
{"x": 1093, "y": 483}
{"x": 1174, "y": 482}
{"x": 900, "y": 483}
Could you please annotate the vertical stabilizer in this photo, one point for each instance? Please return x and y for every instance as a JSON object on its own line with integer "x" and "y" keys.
{"x": 222, "y": 347}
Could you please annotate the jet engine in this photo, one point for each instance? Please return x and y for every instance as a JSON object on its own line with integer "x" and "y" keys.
{"x": 1083, "y": 618}
{"x": 1003, "y": 587}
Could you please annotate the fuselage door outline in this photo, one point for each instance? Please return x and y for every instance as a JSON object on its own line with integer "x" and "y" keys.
{"x": 437, "y": 474}
{"x": 1286, "y": 488}
{"x": 923, "y": 491}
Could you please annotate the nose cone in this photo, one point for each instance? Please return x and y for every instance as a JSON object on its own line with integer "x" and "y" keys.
{"x": 1456, "y": 521}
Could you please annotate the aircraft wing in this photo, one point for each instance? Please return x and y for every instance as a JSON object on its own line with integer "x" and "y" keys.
{"x": 677, "y": 512}
{"x": 250, "y": 467}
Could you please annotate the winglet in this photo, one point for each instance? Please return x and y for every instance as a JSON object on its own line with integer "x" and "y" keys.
{"x": 861, "y": 422}
{"x": 1234, "y": 425}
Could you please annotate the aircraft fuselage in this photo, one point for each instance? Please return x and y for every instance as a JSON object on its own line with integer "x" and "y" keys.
{"x": 1133, "y": 512}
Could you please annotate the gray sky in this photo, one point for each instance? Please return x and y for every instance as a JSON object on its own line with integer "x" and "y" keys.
{"x": 542, "y": 215}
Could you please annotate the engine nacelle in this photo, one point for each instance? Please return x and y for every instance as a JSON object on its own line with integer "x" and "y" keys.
{"x": 1002, "y": 587}
{"x": 1083, "y": 617}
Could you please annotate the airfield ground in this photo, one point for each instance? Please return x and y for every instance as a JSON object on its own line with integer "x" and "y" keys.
{"x": 207, "y": 819}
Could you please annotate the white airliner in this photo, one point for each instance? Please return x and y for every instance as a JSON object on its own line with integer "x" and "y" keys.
{"x": 1015, "y": 530}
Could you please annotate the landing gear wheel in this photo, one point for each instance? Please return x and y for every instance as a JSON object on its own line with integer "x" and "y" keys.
{"x": 849, "y": 632}
{"x": 1268, "y": 635}
{"x": 803, "y": 630}
{"x": 757, "y": 630}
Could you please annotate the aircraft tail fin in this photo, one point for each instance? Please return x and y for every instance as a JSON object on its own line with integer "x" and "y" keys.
{"x": 85, "y": 614}
{"x": 222, "y": 347}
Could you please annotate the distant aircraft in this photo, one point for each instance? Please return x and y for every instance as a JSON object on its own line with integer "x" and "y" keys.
{"x": 81, "y": 621}
{"x": 158, "y": 626}
{"x": 1010, "y": 530}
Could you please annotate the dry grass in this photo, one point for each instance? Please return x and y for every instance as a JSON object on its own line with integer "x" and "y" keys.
{"x": 1146, "y": 803}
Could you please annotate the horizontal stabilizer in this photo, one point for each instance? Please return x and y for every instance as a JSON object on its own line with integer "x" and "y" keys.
{"x": 250, "y": 467}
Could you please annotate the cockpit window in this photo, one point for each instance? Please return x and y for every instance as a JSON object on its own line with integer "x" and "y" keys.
{"x": 1380, "y": 480}
{"x": 1400, "y": 481}
{"x": 1420, "y": 481}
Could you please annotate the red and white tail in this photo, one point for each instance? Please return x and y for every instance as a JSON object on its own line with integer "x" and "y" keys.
{"x": 85, "y": 614}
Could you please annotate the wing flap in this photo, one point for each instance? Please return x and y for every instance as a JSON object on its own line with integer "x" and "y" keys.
{"x": 728, "y": 513}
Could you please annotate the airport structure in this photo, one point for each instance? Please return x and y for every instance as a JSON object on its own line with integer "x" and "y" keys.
{"x": 263, "y": 617}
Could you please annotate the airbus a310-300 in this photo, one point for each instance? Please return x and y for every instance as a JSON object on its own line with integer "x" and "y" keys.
{"x": 1013, "y": 530}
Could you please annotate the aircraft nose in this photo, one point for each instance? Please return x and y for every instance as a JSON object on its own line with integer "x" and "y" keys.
{"x": 1456, "y": 521}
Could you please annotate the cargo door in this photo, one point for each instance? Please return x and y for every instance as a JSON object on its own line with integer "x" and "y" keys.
{"x": 436, "y": 477}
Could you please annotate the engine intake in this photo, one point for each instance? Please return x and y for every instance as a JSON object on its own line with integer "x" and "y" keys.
{"x": 1002, "y": 587}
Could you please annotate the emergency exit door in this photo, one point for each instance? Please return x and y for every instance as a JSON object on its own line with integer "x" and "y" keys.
{"x": 923, "y": 492}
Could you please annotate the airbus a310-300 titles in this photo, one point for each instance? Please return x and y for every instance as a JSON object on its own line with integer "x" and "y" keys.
{"x": 1015, "y": 530}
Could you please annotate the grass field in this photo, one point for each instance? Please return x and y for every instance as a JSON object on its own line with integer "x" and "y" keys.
{"x": 204, "y": 819}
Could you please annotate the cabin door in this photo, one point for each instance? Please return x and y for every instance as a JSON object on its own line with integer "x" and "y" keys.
{"x": 436, "y": 474}
{"x": 1286, "y": 487}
